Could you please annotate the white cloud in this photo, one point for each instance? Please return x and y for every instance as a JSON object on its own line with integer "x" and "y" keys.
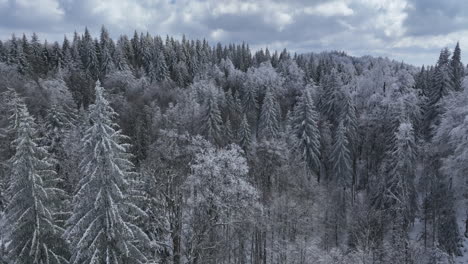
{"x": 430, "y": 42}
{"x": 390, "y": 15}
{"x": 45, "y": 9}
{"x": 218, "y": 34}
{"x": 279, "y": 20}
{"x": 335, "y": 8}
{"x": 235, "y": 8}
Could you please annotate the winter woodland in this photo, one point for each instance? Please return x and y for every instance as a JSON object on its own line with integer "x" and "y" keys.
{"x": 150, "y": 149}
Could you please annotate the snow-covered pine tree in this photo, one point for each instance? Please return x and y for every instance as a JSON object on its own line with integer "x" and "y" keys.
{"x": 305, "y": 129}
{"x": 211, "y": 119}
{"x": 100, "y": 228}
{"x": 161, "y": 69}
{"x": 269, "y": 116}
{"x": 32, "y": 235}
{"x": 401, "y": 192}
{"x": 249, "y": 101}
{"x": 244, "y": 133}
{"x": 457, "y": 69}
{"x": 105, "y": 54}
{"x": 121, "y": 62}
{"x": 333, "y": 97}
{"x": 11, "y": 105}
{"x": 228, "y": 134}
{"x": 441, "y": 86}
{"x": 341, "y": 158}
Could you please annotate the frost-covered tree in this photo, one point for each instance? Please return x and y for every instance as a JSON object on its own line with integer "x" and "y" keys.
{"x": 333, "y": 97}
{"x": 31, "y": 232}
{"x": 161, "y": 69}
{"x": 89, "y": 56}
{"x": 401, "y": 189}
{"x": 457, "y": 69}
{"x": 11, "y": 106}
{"x": 305, "y": 129}
{"x": 452, "y": 138}
{"x": 398, "y": 173}
{"x": 441, "y": 86}
{"x": 212, "y": 122}
{"x": 164, "y": 172}
{"x": 244, "y": 133}
{"x": 102, "y": 228}
{"x": 105, "y": 53}
{"x": 341, "y": 158}
{"x": 220, "y": 196}
{"x": 268, "y": 125}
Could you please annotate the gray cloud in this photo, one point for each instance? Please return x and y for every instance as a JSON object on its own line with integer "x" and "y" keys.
{"x": 409, "y": 30}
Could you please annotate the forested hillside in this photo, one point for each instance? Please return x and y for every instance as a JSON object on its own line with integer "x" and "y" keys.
{"x": 147, "y": 149}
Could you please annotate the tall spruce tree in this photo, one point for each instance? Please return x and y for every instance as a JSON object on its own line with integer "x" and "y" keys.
{"x": 457, "y": 69}
{"x": 244, "y": 133}
{"x": 441, "y": 86}
{"x": 269, "y": 116}
{"x": 32, "y": 235}
{"x": 341, "y": 158}
{"x": 305, "y": 128}
{"x": 211, "y": 120}
{"x": 101, "y": 228}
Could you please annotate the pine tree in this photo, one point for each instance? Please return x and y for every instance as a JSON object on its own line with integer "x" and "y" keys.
{"x": 269, "y": 116}
{"x": 89, "y": 56}
{"x": 249, "y": 100}
{"x": 105, "y": 54}
{"x": 457, "y": 69}
{"x": 306, "y": 132}
{"x": 35, "y": 56}
{"x": 401, "y": 189}
{"x": 332, "y": 101}
{"x": 161, "y": 70}
{"x": 18, "y": 57}
{"x": 228, "y": 134}
{"x": 341, "y": 158}
{"x": 3, "y": 52}
{"x": 441, "y": 86}
{"x": 244, "y": 133}
{"x": 100, "y": 228}
{"x": 30, "y": 226}
{"x": 211, "y": 120}
{"x": 121, "y": 62}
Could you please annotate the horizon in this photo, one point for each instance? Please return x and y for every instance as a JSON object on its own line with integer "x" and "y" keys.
{"x": 399, "y": 30}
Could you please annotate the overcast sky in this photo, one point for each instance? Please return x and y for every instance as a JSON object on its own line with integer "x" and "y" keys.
{"x": 410, "y": 30}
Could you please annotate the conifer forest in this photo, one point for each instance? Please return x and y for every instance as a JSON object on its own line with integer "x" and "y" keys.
{"x": 153, "y": 149}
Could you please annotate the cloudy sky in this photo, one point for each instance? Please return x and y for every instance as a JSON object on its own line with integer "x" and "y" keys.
{"x": 409, "y": 30}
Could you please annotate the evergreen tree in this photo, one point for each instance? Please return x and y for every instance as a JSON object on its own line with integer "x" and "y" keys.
{"x": 441, "y": 86}
{"x": 161, "y": 70}
{"x": 333, "y": 98}
{"x": 249, "y": 101}
{"x": 229, "y": 136}
{"x": 211, "y": 119}
{"x": 401, "y": 189}
{"x": 121, "y": 62}
{"x": 244, "y": 133}
{"x": 105, "y": 54}
{"x": 30, "y": 226}
{"x": 341, "y": 158}
{"x": 101, "y": 228}
{"x": 269, "y": 116}
{"x": 306, "y": 132}
{"x": 457, "y": 69}
{"x": 89, "y": 56}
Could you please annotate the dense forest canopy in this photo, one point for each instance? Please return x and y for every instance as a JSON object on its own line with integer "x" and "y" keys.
{"x": 147, "y": 149}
